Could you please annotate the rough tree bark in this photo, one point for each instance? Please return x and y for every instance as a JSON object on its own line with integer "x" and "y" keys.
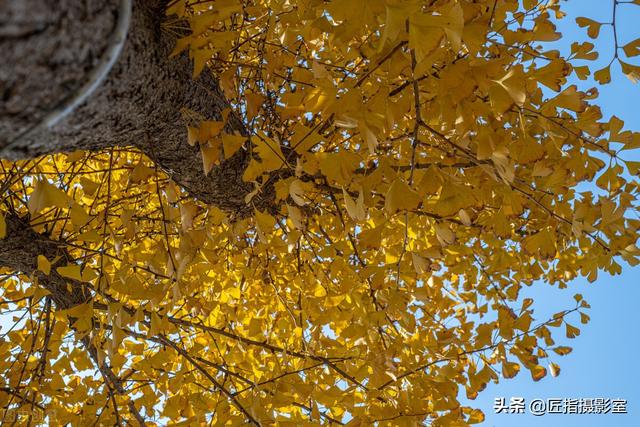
{"x": 19, "y": 251}
{"x": 52, "y": 52}
{"x": 51, "y": 49}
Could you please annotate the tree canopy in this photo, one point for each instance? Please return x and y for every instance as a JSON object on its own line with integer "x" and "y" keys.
{"x": 406, "y": 168}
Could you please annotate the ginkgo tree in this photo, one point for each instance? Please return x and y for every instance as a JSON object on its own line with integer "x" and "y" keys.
{"x": 297, "y": 212}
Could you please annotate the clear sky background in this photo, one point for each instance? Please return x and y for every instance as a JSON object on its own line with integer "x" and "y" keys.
{"x": 605, "y": 361}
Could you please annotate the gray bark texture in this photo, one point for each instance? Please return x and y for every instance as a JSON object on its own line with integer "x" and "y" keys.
{"x": 19, "y": 251}
{"x": 49, "y": 51}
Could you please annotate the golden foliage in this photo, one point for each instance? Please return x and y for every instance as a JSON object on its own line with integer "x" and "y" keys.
{"x": 428, "y": 160}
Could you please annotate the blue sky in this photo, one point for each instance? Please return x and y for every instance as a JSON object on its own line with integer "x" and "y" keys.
{"x": 604, "y": 360}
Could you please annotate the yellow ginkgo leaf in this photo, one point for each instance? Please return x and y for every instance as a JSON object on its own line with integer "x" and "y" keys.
{"x": 538, "y": 372}
{"x": 231, "y": 144}
{"x": 265, "y": 221}
{"x": 476, "y": 416}
{"x": 510, "y": 369}
{"x": 79, "y": 216}
{"x": 3, "y": 227}
{"x": 296, "y": 191}
{"x": 46, "y": 195}
{"x": 44, "y": 265}
{"x": 70, "y": 272}
{"x": 355, "y": 208}
{"x": 593, "y": 27}
{"x": 603, "y": 76}
{"x": 444, "y": 234}
{"x": 271, "y": 157}
{"x": 401, "y": 197}
{"x": 210, "y": 156}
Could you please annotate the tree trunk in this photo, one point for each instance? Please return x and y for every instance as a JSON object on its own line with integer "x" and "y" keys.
{"x": 94, "y": 74}
{"x": 19, "y": 251}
